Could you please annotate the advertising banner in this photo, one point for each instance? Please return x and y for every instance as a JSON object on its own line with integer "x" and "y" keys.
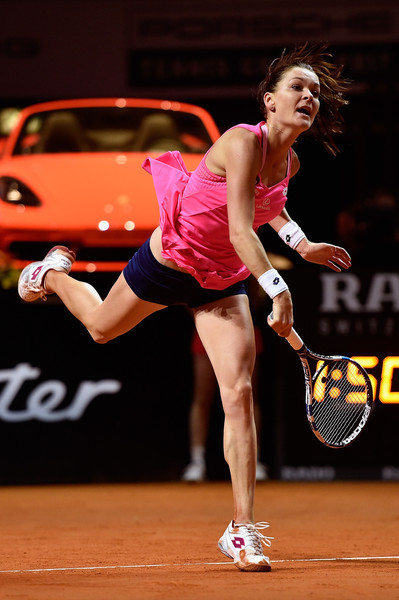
{"x": 74, "y": 411}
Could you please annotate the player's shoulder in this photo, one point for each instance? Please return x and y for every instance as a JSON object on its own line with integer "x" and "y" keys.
{"x": 242, "y": 137}
{"x": 245, "y": 131}
{"x": 237, "y": 147}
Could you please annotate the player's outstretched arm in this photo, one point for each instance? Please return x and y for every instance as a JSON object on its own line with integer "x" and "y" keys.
{"x": 334, "y": 257}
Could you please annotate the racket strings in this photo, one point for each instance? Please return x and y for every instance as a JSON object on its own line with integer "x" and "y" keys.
{"x": 333, "y": 432}
{"x": 335, "y": 422}
{"x": 339, "y": 400}
{"x": 334, "y": 401}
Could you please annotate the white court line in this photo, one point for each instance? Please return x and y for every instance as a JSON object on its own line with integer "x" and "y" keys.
{"x": 196, "y": 564}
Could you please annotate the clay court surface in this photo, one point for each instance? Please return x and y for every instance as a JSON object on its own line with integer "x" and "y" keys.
{"x": 159, "y": 541}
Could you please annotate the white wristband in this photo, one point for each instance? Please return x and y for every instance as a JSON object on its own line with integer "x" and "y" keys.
{"x": 291, "y": 234}
{"x": 272, "y": 282}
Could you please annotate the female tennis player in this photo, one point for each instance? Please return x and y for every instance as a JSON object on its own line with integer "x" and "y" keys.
{"x": 207, "y": 245}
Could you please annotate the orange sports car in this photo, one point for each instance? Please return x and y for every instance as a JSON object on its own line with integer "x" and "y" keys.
{"x": 70, "y": 173}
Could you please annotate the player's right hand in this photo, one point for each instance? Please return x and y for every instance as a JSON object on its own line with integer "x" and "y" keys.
{"x": 281, "y": 319}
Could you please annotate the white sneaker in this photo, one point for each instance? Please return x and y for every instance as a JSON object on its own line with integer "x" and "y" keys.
{"x": 194, "y": 472}
{"x": 243, "y": 543}
{"x": 31, "y": 281}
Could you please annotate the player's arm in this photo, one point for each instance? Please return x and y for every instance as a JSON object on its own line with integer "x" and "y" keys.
{"x": 334, "y": 257}
{"x": 242, "y": 161}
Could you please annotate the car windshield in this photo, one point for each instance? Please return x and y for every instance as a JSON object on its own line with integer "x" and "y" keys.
{"x": 112, "y": 129}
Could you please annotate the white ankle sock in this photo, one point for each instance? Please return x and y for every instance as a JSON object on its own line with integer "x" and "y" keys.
{"x": 197, "y": 454}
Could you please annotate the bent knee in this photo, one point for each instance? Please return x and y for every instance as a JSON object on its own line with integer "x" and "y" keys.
{"x": 98, "y": 336}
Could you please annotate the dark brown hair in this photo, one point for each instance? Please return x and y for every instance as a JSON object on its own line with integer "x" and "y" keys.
{"x": 313, "y": 57}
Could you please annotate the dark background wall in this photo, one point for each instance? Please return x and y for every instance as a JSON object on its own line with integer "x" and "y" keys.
{"x": 129, "y": 423}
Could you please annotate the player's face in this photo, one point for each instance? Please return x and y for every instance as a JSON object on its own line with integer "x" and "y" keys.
{"x": 295, "y": 101}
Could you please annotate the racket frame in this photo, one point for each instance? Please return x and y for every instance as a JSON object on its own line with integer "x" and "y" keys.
{"x": 304, "y": 353}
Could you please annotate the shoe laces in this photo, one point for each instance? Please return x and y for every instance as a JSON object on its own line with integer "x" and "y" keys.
{"x": 257, "y": 538}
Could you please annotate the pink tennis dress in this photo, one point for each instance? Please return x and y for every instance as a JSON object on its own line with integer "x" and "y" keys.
{"x": 193, "y": 215}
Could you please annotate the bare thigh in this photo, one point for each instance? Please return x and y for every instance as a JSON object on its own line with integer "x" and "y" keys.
{"x": 226, "y": 331}
{"x": 120, "y": 312}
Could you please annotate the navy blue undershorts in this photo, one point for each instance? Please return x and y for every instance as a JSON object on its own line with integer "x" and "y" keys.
{"x": 157, "y": 283}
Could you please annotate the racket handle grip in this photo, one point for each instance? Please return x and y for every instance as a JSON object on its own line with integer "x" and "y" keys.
{"x": 293, "y": 338}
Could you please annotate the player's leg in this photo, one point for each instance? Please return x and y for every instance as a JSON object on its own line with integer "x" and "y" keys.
{"x": 226, "y": 330}
{"x": 120, "y": 311}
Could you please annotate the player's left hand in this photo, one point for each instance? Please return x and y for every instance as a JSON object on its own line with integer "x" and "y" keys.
{"x": 334, "y": 257}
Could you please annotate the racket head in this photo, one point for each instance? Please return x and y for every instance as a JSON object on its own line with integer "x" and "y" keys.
{"x": 339, "y": 401}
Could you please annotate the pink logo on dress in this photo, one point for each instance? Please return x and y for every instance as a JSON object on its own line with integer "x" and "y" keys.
{"x": 238, "y": 542}
{"x": 264, "y": 204}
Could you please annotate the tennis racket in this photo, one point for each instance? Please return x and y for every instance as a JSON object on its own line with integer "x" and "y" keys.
{"x": 339, "y": 395}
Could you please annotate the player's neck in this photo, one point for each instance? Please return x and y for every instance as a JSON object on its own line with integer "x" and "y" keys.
{"x": 279, "y": 142}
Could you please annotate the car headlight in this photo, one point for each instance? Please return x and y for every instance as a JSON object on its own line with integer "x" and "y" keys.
{"x": 15, "y": 192}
